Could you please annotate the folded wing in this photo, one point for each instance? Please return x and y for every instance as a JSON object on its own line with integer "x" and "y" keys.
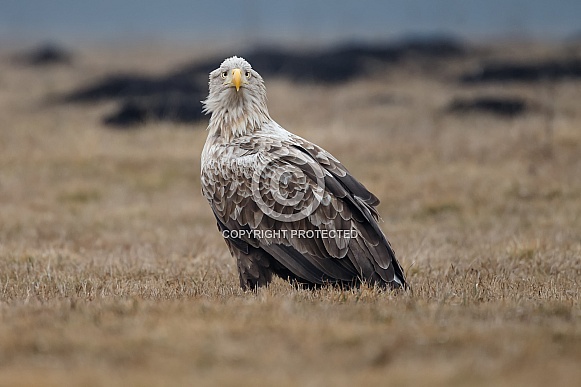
{"x": 297, "y": 212}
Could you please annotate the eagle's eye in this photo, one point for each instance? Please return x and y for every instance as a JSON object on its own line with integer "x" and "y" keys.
{"x": 247, "y": 74}
{"x": 224, "y": 74}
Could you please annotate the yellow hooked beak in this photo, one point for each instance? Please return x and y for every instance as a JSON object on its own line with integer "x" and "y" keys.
{"x": 237, "y": 78}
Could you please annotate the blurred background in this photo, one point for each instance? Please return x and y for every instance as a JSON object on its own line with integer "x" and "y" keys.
{"x": 302, "y": 21}
{"x": 308, "y": 41}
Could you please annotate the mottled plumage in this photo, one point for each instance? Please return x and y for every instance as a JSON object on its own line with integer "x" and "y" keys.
{"x": 266, "y": 186}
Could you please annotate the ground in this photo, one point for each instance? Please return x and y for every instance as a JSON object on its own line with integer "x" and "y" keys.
{"x": 112, "y": 271}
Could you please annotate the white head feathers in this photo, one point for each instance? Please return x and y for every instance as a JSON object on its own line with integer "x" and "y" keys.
{"x": 237, "y": 99}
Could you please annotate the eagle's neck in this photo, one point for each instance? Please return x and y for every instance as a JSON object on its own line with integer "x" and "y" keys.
{"x": 235, "y": 114}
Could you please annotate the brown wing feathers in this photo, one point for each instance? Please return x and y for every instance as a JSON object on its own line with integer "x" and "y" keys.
{"x": 318, "y": 260}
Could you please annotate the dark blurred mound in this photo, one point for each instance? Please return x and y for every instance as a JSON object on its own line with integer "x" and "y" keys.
{"x": 176, "y": 109}
{"x": 177, "y": 95}
{"x": 125, "y": 86}
{"x": 507, "y": 107}
{"x": 551, "y": 70}
{"x": 44, "y": 55}
{"x": 338, "y": 64}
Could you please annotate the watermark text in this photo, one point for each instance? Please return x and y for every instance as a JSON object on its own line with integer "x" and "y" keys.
{"x": 288, "y": 234}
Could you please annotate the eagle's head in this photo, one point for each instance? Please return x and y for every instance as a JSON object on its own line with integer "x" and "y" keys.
{"x": 237, "y": 99}
{"x": 234, "y": 73}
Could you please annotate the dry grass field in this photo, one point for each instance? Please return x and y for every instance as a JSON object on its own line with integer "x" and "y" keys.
{"x": 112, "y": 271}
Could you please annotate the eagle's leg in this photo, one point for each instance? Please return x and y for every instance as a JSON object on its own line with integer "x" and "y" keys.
{"x": 254, "y": 267}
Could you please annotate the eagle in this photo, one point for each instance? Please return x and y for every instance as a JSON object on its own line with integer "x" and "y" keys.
{"x": 285, "y": 206}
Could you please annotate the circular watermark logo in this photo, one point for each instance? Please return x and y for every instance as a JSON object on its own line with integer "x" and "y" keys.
{"x": 288, "y": 188}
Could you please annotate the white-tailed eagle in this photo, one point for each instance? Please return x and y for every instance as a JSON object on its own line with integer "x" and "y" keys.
{"x": 284, "y": 205}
